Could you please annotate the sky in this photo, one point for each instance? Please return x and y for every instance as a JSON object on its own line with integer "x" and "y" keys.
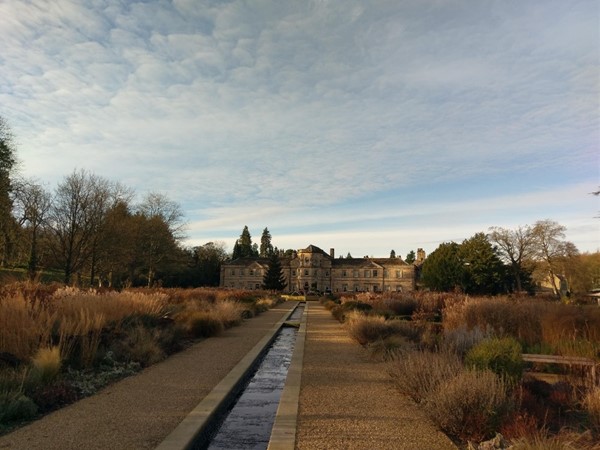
{"x": 363, "y": 126}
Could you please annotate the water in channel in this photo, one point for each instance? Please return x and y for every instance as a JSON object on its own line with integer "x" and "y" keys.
{"x": 248, "y": 423}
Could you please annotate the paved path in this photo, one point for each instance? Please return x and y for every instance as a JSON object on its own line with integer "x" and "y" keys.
{"x": 349, "y": 402}
{"x": 140, "y": 411}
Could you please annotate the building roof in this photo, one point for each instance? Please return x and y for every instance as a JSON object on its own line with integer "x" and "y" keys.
{"x": 313, "y": 249}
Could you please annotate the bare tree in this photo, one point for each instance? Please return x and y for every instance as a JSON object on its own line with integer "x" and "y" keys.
{"x": 516, "y": 248}
{"x": 31, "y": 208}
{"x": 551, "y": 249}
{"x": 156, "y": 204}
{"x": 79, "y": 206}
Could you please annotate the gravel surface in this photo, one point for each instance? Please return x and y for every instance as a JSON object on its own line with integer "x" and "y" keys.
{"x": 348, "y": 401}
{"x": 140, "y": 411}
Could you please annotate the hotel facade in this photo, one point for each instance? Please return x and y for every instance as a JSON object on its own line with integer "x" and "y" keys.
{"x": 312, "y": 269}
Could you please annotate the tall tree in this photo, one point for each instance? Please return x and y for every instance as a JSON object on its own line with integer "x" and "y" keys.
{"x": 31, "y": 207}
{"x": 274, "y": 279}
{"x": 266, "y": 248}
{"x": 78, "y": 208}
{"x": 552, "y": 249}
{"x": 410, "y": 257}
{"x": 243, "y": 247}
{"x": 483, "y": 272}
{"x": 207, "y": 263}
{"x": 156, "y": 204}
{"x": 7, "y": 165}
{"x": 517, "y": 249}
{"x": 443, "y": 270}
{"x": 393, "y": 254}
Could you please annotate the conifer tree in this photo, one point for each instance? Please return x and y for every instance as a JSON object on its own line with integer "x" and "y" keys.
{"x": 393, "y": 254}
{"x": 243, "y": 247}
{"x": 274, "y": 279}
{"x": 266, "y": 248}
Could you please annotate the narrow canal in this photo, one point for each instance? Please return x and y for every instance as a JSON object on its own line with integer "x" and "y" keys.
{"x": 248, "y": 424}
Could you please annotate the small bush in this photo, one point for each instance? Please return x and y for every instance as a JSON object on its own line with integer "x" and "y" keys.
{"x": 390, "y": 348}
{"x": 500, "y": 355}
{"x": 138, "y": 345}
{"x": 461, "y": 340}
{"x": 418, "y": 374}
{"x": 366, "y": 329}
{"x": 228, "y": 312}
{"x": 471, "y": 405}
{"x": 14, "y": 406}
{"x": 46, "y": 364}
{"x": 566, "y": 440}
{"x": 204, "y": 324}
{"x": 54, "y": 395}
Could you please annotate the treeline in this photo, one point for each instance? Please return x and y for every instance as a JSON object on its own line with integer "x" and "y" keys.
{"x": 512, "y": 260}
{"x": 92, "y": 232}
{"x": 89, "y": 231}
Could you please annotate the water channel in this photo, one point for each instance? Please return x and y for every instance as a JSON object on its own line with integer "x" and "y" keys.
{"x": 248, "y": 422}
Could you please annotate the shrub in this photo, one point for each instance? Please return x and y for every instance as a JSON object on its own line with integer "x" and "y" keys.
{"x": 471, "y": 405}
{"x": 228, "y": 312}
{"x": 138, "y": 345}
{"x": 591, "y": 404}
{"x": 500, "y": 355}
{"x": 418, "y": 374}
{"x": 565, "y": 440}
{"x": 54, "y": 395}
{"x": 204, "y": 324}
{"x": 461, "y": 340}
{"x": 365, "y": 329}
{"x": 14, "y": 406}
{"x": 46, "y": 365}
{"x": 389, "y": 348}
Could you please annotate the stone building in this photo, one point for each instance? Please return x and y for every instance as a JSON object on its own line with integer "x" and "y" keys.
{"x": 312, "y": 269}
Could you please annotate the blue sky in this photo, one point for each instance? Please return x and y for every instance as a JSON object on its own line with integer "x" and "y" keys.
{"x": 360, "y": 125}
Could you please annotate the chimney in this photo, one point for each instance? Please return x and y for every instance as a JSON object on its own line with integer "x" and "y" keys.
{"x": 420, "y": 255}
{"x": 332, "y": 253}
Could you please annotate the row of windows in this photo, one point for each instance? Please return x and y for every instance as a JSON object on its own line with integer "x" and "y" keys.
{"x": 372, "y": 273}
{"x": 367, "y": 273}
{"x": 251, "y": 272}
{"x": 371, "y": 288}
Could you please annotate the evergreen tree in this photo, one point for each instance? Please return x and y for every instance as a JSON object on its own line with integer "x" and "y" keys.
{"x": 393, "y": 254}
{"x": 274, "y": 279}
{"x": 348, "y": 256}
{"x": 483, "y": 272}
{"x": 410, "y": 257}
{"x": 243, "y": 247}
{"x": 266, "y": 248}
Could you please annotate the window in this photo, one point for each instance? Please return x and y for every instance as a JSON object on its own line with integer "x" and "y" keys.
{"x": 343, "y": 273}
{"x": 232, "y": 272}
{"x": 327, "y": 273}
{"x": 252, "y": 272}
{"x": 398, "y": 274}
{"x": 367, "y": 273}
{"x": 345, "y": 287}
{"x": 374, "y": 273}
{"x": 257, "y": 286}
{"x": 385, "y": 273}
{"x": 241, "y": 272}
{"x": 355, "y": 273}
{"x": 305, "y": 271}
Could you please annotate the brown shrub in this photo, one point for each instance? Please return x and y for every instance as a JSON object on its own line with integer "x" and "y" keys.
{"x": 471, "y": 405}
{"x": 408, "y": 372}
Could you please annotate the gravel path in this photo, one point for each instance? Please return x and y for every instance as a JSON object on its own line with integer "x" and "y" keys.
{"x": 140, "y": 411}
{"x": 349, "y": 402}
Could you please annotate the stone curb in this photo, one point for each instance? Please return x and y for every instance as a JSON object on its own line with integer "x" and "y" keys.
{"x": 200, "y": 419}
{"x": 283, "y": 435}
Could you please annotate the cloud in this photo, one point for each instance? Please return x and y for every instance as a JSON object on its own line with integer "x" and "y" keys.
{"x": 248, "y": 110}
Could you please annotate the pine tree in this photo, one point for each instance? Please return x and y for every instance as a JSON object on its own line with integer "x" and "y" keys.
{"x": 274, "y": 279}
{"x": 266, "y": 248}
{"x": 393, "y": 254}
{"x": 410, "y": 257}
{"x": 243, "y": 247}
